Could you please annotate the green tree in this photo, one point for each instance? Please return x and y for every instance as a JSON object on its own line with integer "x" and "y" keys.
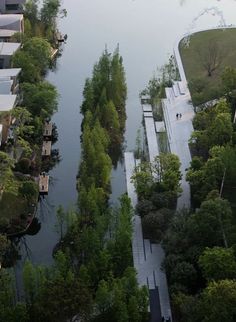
{"x": 40, "y": 98}
{"x": 218, "y": 263}
{"x": 218, "y": 302}
{"x": 30, "y": 72}
{"x": 40, "y": 51}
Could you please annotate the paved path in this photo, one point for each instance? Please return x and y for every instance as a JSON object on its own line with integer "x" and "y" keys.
{"x": 179, "y": 132}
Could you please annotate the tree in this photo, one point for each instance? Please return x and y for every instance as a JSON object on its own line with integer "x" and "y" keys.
{"x": 218, "y": 302}
{"x": 211, "y": 56}
{"x": 40, "y": 98}
{"x": 218, "y": 263}
{"x": 40, "y": 51}
{"x": 166, "y": 166}
{"x": 49, "y": 12}
{"x": 30, "y": 72}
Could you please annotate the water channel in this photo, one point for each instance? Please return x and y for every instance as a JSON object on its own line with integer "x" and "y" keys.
{"x": 145, "y": 31}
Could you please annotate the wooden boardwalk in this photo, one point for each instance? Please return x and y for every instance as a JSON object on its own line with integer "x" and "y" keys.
{"x": 43, "y": 184}
{"x": 46, "y": 148}
{"x": 47, "y": 132}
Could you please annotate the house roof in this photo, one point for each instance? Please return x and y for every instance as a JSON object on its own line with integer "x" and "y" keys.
{"x": 7, "y": 102}
{"x": 5, "y": 86}
{"x": 0, "y": 130}
{"x": 11, "y": 21}
{"x": 9, "y": 72}
{"x": 8, "y": 48}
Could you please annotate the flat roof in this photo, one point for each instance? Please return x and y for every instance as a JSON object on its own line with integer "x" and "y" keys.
{"x": 8, "y": 48}
{"x": 5, "y": 86}
{"x": 9, "y": 72}
{"x": 7, "y": 102}
{"x": 8, "y": 19}
{"x": 1, "y": 129}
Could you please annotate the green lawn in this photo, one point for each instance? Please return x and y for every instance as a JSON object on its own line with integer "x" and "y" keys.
{"x": 194, "y": 56}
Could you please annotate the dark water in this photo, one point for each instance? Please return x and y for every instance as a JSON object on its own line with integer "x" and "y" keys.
{"x": 146, "y": 31}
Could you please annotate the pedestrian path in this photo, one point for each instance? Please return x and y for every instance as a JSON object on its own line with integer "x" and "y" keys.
{"x": 179, "y": 131}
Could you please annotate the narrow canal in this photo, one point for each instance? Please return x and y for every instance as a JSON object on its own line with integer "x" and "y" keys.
{"x": 145, "y": 31}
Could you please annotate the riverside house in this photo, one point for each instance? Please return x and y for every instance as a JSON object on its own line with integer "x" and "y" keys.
{"x": 9, "y": 81}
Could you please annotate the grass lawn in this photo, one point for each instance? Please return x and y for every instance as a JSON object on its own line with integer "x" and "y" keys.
{"x": 194, "y": 55}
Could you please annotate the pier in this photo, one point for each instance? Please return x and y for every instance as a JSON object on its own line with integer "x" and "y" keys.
{"x": 46, "y": 148}
{"x": 43, "y": 184}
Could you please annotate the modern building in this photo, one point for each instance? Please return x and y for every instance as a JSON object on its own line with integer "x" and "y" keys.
{"x": 7, "y": 103}
{"x": 9, "y": 81}
{"x": 11, "y": 6}
{"x": 7, "y": 50}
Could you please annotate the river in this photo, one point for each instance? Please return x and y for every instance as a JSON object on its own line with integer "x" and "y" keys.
{"x": 145, "y": 31}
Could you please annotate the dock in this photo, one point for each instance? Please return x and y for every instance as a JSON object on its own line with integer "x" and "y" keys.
{"x": 43, "y": 184}
{"x": 47, "y": 132}
{"x": 46, "y": 148}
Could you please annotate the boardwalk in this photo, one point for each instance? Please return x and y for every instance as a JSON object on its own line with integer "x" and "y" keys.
{"x": 179, "y": 132}
{"x": 43, "y": 184}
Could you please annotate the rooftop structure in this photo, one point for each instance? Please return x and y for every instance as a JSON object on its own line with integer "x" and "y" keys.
{"x": 7, "y": 49}
{"x": 9, "y": 72}
{"x": 7, "y": 102}
{"x": 12, "y": 22}
{"x": 6, "y": 87}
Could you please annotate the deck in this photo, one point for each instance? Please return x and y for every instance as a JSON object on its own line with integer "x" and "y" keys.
{"x": 43, "y": 184}
{"x": 46, "y": 149}
{"x": 47, "y": 132}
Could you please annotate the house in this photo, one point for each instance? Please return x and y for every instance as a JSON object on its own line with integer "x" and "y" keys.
{"x": 9, "y": 80}
{"x": 11, "y": 6}
{"x": 7, "y": 103}
{"x": 5, "y": 35}
{"x": 7, "y": 49}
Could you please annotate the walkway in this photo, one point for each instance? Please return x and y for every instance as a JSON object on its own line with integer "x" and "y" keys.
{"x": 179, "y": 132}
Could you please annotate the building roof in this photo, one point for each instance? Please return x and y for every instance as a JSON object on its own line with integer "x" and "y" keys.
{"x": 5, "y": 86}
{"x": 11, "y": 21}
{"x": 7, "y": 102}
{"x": 0, "y": 130}
{"x": 6, "y": 33}
{"x": 8, "y": 48}
{"x": 9, "y": 72}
